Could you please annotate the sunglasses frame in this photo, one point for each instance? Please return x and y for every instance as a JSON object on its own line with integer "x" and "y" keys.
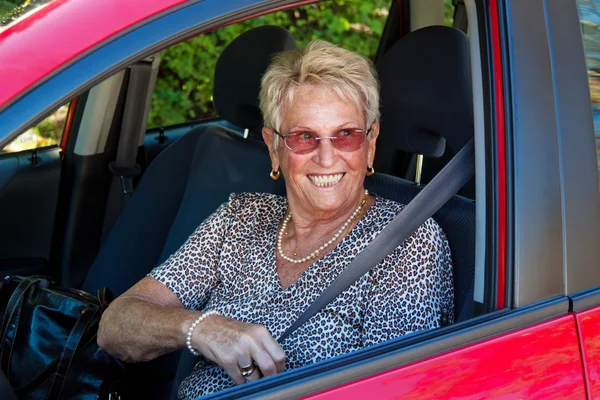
{"x": 319, "y": 138}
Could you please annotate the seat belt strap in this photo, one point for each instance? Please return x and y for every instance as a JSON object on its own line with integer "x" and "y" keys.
{"x": 124, "y": 167}
{"x": 460, "y": 16}
{"x": 429, "y": 200}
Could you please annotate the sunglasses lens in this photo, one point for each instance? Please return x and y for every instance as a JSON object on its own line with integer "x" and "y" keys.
{"x": 346, "y": 140}
{"x": 301, "y": 142}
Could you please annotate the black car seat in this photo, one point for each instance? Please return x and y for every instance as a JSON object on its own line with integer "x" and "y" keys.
{"x": 188, "y": 181}
{"x": 426, "y": 103}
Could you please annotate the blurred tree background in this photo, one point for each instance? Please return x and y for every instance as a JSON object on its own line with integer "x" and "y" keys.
{"x": 13, "y": 9}
{"x": 185, "y": 83}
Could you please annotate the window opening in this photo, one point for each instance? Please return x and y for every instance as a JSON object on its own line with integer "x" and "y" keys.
{"x": 45, "y": 134}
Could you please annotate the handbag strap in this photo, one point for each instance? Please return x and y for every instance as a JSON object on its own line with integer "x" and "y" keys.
{"x": 85, "y": 318}
{"x": 14, "y": 303}
{"x": 429, "y": 200}
{"x": 104, "y": 297}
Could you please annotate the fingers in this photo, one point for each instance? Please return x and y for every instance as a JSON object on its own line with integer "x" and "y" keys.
{"x": 275, "y": 351}
{"x": 265, "y": 360}
{"x": 266, "y": 352}
{"x": 250, "y": 371}
{"x": 233, "y": 371}
{"x": 235, "y": 345}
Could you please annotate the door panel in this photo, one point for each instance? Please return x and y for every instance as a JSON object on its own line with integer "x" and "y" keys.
{"x": 158, "y": 139}
{"x": 28, "y": 199}
{"x": 540, "y": 362}
{"x": 589, "y": 327}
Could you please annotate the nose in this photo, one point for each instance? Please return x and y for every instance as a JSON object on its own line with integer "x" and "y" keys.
{"x": 325, "y": 154}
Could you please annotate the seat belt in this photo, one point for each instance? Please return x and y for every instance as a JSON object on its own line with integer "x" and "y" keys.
{"x": 124, "y": 168}
{"x": 426, "y": 203}
{"x": 460, "y": 15}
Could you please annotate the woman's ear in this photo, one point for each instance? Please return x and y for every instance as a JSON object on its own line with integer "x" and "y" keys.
{"x": 267, "y": 135}
{"x": 372, "y": 144}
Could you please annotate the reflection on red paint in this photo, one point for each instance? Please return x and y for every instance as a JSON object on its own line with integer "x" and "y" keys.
{"x": 54, "y": 35}
{"x": 589, "y": 326}
{"x": 540, "y": 362}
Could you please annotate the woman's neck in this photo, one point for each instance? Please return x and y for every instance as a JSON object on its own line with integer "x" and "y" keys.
{"x": 299, "y": 239}
{"x": 310, "y": 223}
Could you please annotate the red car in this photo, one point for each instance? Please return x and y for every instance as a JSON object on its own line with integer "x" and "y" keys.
{"x": 524, "y": 233}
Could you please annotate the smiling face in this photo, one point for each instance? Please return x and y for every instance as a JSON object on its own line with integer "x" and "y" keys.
{"x": 326, "y": 181}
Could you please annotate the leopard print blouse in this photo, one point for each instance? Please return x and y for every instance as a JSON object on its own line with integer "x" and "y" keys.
{"x": 228, "y": 265}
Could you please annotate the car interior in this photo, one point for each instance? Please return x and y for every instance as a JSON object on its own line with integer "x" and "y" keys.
{"x": 187, "y": 170}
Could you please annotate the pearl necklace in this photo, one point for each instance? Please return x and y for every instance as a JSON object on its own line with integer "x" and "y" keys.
{"x": 315, "y": 253}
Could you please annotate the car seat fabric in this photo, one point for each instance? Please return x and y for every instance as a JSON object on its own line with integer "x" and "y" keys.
{"x": 426, "y": 86}
{"x": 239, "y": 70}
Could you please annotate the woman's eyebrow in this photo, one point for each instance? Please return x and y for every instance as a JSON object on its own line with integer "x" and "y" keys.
{"x": 340, "y": 126}
{"x": 301, "y": 128}
{"x": 347, "y": 123}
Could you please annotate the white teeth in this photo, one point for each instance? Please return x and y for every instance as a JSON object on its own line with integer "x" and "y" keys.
{"x": 325, "y": 180}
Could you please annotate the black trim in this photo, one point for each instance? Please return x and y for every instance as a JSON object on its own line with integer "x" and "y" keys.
{"x": 187, "y": 124}
{"x": 369, "y": 361}
{"x": 584, "y": 300}
{"x": 390, "y": 34}
{"x": 510, "y": 239}
{"x": 485, "y": 40}
{"x": 76, "y": 122}
{"x": 406, "y": 27}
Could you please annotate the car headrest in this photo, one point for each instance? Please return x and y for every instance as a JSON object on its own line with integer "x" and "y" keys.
{"x": 426, "y": 91}
{"x": 239, "y": 70}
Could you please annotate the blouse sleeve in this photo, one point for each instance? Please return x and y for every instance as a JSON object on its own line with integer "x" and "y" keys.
{"x": 191, "y": 272}
{"x": 410, "y": 288}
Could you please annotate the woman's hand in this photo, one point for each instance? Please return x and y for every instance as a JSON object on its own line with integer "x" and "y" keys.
{"x": 234, "y": 344}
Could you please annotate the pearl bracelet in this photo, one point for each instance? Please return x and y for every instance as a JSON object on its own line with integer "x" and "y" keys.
{"x": 188, "y": 338}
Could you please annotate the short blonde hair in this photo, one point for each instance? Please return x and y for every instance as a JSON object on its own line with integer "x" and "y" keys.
{"x": 349, "y": 74}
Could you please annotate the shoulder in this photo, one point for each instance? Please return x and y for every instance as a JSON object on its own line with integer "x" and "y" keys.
{"x": 426, "y": 247}
{"x": 248, "y": 206}
{"x": 254, "y": 200}
{"x": 386, "y": 210}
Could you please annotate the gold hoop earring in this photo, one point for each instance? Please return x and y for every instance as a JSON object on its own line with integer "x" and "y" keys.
{"x": 275, "y": 174}
{"x": 370, "y": 171}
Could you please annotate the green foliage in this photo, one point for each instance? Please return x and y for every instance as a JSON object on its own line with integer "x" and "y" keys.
{"x": 6, "y": 8}
{"x": 10, "y": 10}
{"x": 448, "y": 12}
{"x": 185, "y": 83}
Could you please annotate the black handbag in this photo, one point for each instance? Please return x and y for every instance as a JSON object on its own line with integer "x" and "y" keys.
{"x": 48, "y": 346}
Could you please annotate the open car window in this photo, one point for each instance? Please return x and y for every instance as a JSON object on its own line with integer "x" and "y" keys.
{"x": 44, "y": 134}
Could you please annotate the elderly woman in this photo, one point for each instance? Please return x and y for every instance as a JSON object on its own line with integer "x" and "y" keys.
{"x": 250, "y": 269}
